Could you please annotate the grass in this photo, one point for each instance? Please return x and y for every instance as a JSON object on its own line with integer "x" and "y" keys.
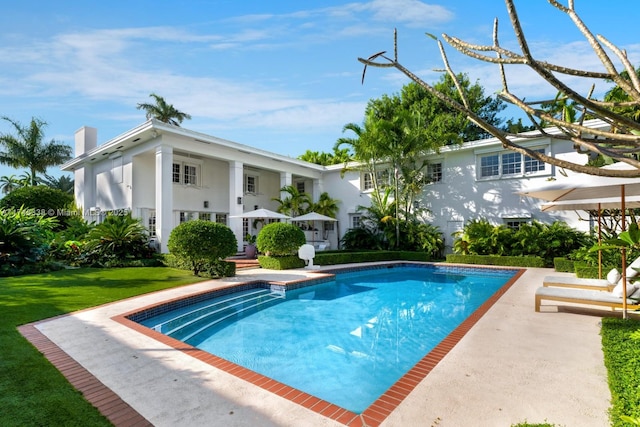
{"x": 32, "y": 391}
{"x": 621, "y": 347}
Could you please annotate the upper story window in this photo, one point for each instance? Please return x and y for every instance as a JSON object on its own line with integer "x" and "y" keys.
{"x": 176, "y": 172}
{"x": 356, "y": 221}
{"x": 434, "y": 172}
{"x": 367, "y": 181}
{"x": 532, "y": 165}
{"x": 185, "y": 173}
{"x": 509, "y": 164}
{"x": 251, "y": 184}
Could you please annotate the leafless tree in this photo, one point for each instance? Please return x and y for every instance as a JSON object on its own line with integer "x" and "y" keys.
{"x": 621, "y": 142}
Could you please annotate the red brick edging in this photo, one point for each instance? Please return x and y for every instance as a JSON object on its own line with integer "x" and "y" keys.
{"x": 116, "y": 410}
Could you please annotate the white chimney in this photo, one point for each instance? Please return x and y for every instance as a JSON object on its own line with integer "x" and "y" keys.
{"x": 86, "y": 140}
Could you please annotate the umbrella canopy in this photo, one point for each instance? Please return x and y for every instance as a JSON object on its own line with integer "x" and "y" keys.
{"x": 583, "y": 191}
{"x": 313, "y": 216}
{"x": 631, "y": 202}
{"x": 585, "y": 187}
{"x": 261, "y": 213}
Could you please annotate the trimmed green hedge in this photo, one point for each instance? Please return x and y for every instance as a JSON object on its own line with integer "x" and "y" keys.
{"x": 341, "y": 257}
{"x": 280, "y": 262}
{"x": 621, "y": 347}
{"x": 564, "y": 265}
{"x": 509, "y": 261}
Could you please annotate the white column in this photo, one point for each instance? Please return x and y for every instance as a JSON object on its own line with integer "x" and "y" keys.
{"x": 85, "y": 188}
{"x": 164, "y": 195}
{"x": 285, "y": 180}
{"x": 317, "y": 189}
{"x": 236, "y": 193}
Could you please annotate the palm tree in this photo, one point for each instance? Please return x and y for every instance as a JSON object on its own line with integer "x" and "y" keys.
{"x": 27, "y": 150}
{"x": 64, "y": 183}
{"x": 9, "y": 183}
{"x": 163, "y": 112}
{"x": 295, "y": 204}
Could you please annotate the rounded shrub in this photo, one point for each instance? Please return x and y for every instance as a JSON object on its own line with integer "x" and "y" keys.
{"x": 40, "y": 200}
{"x": 202, "y": 243}
{"x": 280, "y": 239}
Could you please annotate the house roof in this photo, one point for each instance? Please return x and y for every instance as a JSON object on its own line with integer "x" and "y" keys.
{"x": 152, "y": 129}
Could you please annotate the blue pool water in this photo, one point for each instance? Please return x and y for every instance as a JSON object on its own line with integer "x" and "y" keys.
{"x": 345, "y": 341}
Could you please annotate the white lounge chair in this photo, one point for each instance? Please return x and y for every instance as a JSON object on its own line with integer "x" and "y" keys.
{"x": 583, "y": 296}
{"x": 578, "y": 283}
{"x": 613, "y": 279}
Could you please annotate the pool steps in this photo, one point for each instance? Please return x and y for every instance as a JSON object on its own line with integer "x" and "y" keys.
{"x": 221, "y": 309}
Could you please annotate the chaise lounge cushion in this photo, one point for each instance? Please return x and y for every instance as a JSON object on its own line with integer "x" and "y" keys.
{"x": 617, "y": 291}
{"x": 614, "y": 276}
{"x": 577, "y": 282}
{"x": 581, "y": 296}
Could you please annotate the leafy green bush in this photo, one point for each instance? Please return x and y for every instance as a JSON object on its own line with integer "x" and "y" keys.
{"x": 621, "y": 347}
{"x": 43, "y": 200}
{"x": 361, "y": 238}
{"x": 479, "y": 237}
{"x": 280, "y": 238}
{"x": 117, "y": 239}
{"x": 24, "y": 239}
{"x": 221, "y": 268}
{"x": 346, "y": 257}
{"x": 283, "y": 262}
{"x": 201, "y": 243}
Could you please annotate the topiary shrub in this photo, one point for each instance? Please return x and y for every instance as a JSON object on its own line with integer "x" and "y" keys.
{"x": 280, "y": 262}
{"x": 280, "y": 239}
{"x": 41, "y": 200}
{"x": 202, "y": 243}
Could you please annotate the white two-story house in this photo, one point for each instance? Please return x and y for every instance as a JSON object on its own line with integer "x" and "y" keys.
{"x": 165, "y": 175}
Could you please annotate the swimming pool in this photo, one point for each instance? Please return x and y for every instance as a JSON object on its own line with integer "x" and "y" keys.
{"x": 344, "y": 340}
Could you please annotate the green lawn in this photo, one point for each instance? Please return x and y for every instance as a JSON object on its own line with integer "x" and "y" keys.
{"x": 32, "y": 391}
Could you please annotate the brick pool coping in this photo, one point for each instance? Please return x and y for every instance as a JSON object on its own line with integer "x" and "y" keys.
{"x": 122, "y": 414}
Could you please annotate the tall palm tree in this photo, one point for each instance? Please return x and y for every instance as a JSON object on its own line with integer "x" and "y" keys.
{"x": 162, "y": 111}
{"x": 27, "y": 150}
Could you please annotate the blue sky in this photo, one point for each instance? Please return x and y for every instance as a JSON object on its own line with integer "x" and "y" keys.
{"x": 277, "y": 75}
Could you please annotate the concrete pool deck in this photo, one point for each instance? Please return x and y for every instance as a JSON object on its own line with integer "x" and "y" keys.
{"x": 514, "y": 365}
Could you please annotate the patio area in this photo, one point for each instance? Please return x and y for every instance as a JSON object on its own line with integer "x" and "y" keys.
{"x": 514, "y": 365}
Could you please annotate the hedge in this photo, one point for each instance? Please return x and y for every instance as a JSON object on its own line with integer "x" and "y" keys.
{"x": 563, "y": 265}
{"x": 280, "y": 262}
{"x": 509, "y": 261}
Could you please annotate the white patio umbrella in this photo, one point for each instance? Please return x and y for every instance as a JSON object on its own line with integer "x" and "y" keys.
{"x": 312, "y": 217}
{"x": 261, "y": 213}
{"x": 583, "y": 190}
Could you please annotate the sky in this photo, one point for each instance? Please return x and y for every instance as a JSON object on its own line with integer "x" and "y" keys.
{"x": 278, "y": 75}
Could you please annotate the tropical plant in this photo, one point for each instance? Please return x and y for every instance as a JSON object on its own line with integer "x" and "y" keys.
{"x": 42, "y": 200}
{"x": 118, "y": 238}
{"x": 280, "y": 239}
{"x": 162, "y": 111}
{"x": 619, "y": 143}
{"x": 64, "y": 183}
{"x": 9, "y": 183}
{"x": 26, "y": 149}
{"x": 296, "y": 203}
{"x": 362, "y": 238}
{"x": 321, "y": 158}
{"x": 202, "y": 244}
{"x": 24, "y": 238}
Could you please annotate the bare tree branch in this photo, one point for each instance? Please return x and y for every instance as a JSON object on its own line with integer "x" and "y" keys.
{"x": 621, "y": 142}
